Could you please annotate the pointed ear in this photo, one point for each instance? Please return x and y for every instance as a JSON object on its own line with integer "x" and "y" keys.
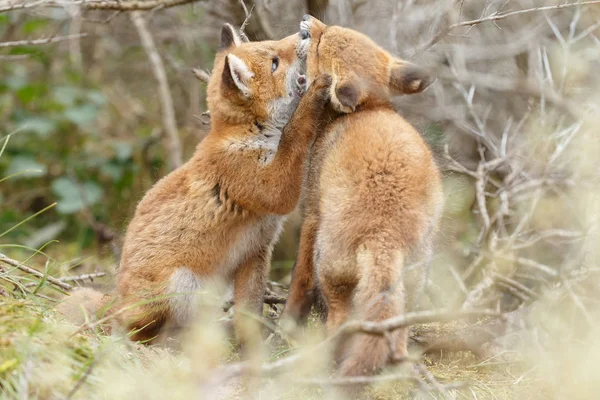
{"x": 229, "y": 37}
{"x": 345, "y": 97}
{"x": 407, "y": 78}
{"x": 237, "y": 75}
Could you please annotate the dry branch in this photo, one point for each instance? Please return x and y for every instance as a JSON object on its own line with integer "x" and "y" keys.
{"x": 495, "y": 17}
{"x": 78, "y": 278}
{"x": 164, "y": 92}
{"x": 374, "y": 328}
{"x": 41, "y": 41}
{"x": 202, "y": 75}
{"x": 14, "y": 263}
{"x": 115, "y": 5}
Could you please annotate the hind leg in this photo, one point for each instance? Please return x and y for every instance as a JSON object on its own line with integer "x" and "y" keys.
{"x": 142, "y": 320}
{"x": 250, "y": 281}
{"x": 337, "y": 283}
{"x": 301, "y": 293}
{"x": 416, "y": 275}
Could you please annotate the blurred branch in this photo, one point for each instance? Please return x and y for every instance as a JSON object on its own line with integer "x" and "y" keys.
{"x": 41, "y": 41}
{"x": 495, "y": 17}
{"x": 349, "y": 328}
{"x": 14, "y": 263}
{"x": 508, "y": 85}
{"x": 202, "y": 75}
{"x": 165, "y": 97}
{"x": 115, "y": 5}
{"x": 78, "y": 278}
{"x": 246, "y": 20}
{"x": 501, "y": 15}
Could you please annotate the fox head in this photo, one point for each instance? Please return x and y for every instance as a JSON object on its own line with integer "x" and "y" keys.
{"x": 257, "y": 81}
{"x": 362, "y": 71}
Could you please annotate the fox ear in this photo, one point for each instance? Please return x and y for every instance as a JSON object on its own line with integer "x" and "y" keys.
{"x": 229, "y": 36}
{"x": 407, "y": 78}
{"x": 345, "y": 97}
{"x": 237, "y": 75}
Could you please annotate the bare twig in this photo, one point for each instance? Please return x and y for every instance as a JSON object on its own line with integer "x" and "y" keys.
{"x": 166, "y": 100}
{"x": 495, "y": 17}
{"x": 41, "y": 41}
{"x": 248, "y": 14}
{"x": 78, "y": 278}
{"x": 501, "y": 15}
{"x": 14, "y": 263}
{"x": 374, "y": 328}
{"x": 202, "y": 75}
{"x": 116, "y": 5}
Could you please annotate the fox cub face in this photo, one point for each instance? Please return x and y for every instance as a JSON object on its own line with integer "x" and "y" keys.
{"x": 361, "y": 70}
{"x": 260, "y": 80}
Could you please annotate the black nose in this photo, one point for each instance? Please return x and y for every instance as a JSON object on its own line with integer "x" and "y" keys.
{"x": 306, "y": 17}
{"x": 304, "y": 34}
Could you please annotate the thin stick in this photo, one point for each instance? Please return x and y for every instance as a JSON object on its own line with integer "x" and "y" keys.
{"x": 77, "y": 278}
{"x": 166, "y": 100}
{"x": 41, "y": 41}
{"x": 495, "y": 17}
{"x": 499, "y": 15}
{"x": 116, "y": 5}
{"x": 374, "y": 328}
{"x": 202, "y": 75}
{"x": 246, "y": 20}
{"x": 34, "y": 272}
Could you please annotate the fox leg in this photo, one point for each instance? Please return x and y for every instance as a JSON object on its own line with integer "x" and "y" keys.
{"x": 301, "y": 294}
{"x": 142, "y": 319}
{"x": 249, "y": 284}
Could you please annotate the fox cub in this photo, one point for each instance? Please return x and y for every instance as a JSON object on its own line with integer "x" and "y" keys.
{"x": 218, "y": 216}
{"x": 372, "y": 199}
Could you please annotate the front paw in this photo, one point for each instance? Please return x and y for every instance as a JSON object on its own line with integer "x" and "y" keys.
{"x": 320, "y": 88}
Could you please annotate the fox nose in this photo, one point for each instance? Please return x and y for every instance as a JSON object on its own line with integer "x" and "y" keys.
{"x": 301, "y": 79}
{"x": 306, "y": 17}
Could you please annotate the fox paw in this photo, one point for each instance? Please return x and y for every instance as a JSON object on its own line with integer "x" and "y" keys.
{"x": 320, "y": 88}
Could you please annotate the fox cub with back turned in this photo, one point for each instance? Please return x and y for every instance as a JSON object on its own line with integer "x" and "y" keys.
{"x": 219, "y": 215}
{"x": 372, "y": 200}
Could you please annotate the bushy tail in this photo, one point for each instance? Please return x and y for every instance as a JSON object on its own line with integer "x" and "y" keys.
{"x": 85, "y": 304}
{"x": 378, "y": 296}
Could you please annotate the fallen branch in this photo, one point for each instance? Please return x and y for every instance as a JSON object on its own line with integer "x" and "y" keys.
{"x": 375, "y": 328}
{"x": 41, "y": 41}
{"x": 78, "y": 278}
{"x": 14, "y": 263}
{"x": 164, "y": 93}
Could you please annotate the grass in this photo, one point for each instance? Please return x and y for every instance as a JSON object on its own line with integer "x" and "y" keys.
{"x": 41, "y": 358}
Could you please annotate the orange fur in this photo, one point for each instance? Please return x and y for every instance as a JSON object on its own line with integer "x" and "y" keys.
{"x": 218, "y": 216}
{"x": 373, "y": 196}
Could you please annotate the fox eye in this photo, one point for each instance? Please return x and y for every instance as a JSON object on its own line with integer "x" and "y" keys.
{"x": 275, "y": 64}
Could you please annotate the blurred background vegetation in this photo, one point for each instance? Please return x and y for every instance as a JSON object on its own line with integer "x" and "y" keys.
{"x": 513, "y": 119}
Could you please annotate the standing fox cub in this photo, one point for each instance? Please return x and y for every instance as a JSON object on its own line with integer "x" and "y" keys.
{"x": 373, "y": 196}
{"x": 218, "y": 216}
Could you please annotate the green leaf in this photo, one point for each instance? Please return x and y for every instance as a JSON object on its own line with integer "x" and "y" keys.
{"x": 25, "y": 167}
{"x": 96, "y": 97}
{"x": 81, "y": 115}
{"x": 113, "y": 171}
{"x": 31, "y": 92}
{"x": 65, "y": 95}
{"x": 123, "y": 150}
{"x": 74, "y": 197}
{"x": 33, "y": 25}
{"x": 40, "y": 125}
